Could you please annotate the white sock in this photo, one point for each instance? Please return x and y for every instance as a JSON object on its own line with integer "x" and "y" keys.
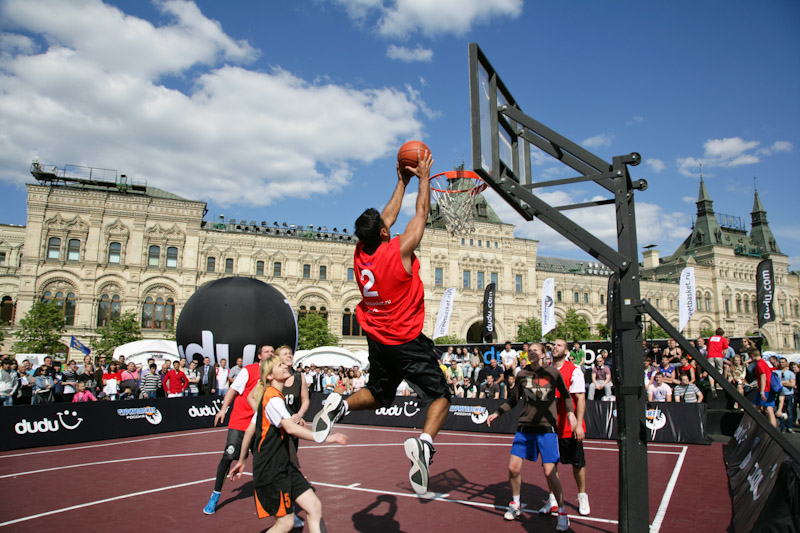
{"x": 553, "y": 497}
{"x": 427, "y": 438}
{"x": 515, "y": 499}
{"x": 346, "y": 407}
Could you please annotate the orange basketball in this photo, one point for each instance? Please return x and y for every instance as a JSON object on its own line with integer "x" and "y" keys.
{"x": 409, "y": 154}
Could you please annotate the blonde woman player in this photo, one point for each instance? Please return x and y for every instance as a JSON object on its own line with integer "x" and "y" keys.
{"x": 279, "y": 485}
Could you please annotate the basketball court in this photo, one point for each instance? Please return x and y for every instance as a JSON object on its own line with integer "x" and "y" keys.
{"x": 163, "y": 482}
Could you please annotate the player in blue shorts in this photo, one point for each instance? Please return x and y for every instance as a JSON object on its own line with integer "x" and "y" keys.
{"x": 536, "y": 434}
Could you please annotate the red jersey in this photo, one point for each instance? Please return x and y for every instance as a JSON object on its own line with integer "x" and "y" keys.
{"x": 717, "y": 346}
{"x": 241, "y": 414}
{"x": 762, "y": 367}
{"x": 564, "y": 429}
{"x": 175, "y": 382}
{"x": 393, "y": 307}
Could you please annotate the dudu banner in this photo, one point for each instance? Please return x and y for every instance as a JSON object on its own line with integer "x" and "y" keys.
{"x": 30, "y": 426}
{"x": 765, "y": 292}
{"x": 488, "y": 313}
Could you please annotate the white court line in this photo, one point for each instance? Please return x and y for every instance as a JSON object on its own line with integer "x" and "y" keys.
{"x": 115, "y": 461}
{"x": 131, "y": 441}
{"x": 655, "y": 527}
{"x": 106, "y": 500}
{"x": 443, "y": 498}
{"x": 438, "y": 444}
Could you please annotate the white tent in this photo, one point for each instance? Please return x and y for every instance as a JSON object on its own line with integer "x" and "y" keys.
{"x": 332, "y": 356}
{"x": 140, "y": 351}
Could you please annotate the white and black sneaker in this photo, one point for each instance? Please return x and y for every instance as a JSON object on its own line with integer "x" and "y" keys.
{"x": 421, "y": 455}
{"x": 332, "y": 411}
{"x": 513, "y": 511}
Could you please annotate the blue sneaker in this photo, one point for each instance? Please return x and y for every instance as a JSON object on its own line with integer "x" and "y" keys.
{"x": 298, "y": 523}
{"x": 211, "y": 506}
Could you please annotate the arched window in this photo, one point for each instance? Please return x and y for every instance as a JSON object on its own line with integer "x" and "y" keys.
{"x": 708, "y": 303}
{"x": 172, "y": 257}
{"x": 276, "y": 269}
{"x": 153, "y": 255}
{"x": 54, "y": 248}
{"x": 738, "y": 304}
{"x": 350, "y": 325}
{"x": 323, "y": 272}
{"x": 306, "y": 271}
{"x": 158, "y": 313}
{"x": 73, "y": 250}
{"x": 66, "y": 303}
{"x": 108, "y": 309}
{"x": 746, "y": 304}
{"x": 114, "y": 252}
{"x": 211, "y": 264}
{"x": 6, "y": 310}
{"x": 229, "y": 265}
{"x": 259, "y": 268}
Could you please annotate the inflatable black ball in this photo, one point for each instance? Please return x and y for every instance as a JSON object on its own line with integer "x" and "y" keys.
{"x": 232, "y": 317}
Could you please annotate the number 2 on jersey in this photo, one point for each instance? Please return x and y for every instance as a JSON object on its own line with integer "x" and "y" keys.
{"x": 370, "y": 277}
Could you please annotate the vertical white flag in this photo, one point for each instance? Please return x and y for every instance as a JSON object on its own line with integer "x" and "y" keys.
{"x": 445, "y": 310}
{"x": 548, "y": 306}
{"x": 686, "y": 297}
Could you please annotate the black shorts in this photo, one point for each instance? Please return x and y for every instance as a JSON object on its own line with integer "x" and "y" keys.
{"x": 414, "y": 361}
{"x": 233, "y": 446}
{"x": 278, "y": 498}
{"x": 571, "y": 451}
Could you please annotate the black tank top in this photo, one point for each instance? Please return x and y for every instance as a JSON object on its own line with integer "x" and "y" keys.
{"x": 292, "y": 394}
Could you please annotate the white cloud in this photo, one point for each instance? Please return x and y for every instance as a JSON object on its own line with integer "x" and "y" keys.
{"x": 689, "y": 199}
{"x": 653, "y": 223}
{"x": 12, "y": 42}
{"x": 598, "y": 141}
{"x": 729, "y": 152}
{"x": 398, "y": 19}
{"x": 635, "y": 120}
{"x": 239, "y": 136}
{"x": 409, "y": 55}
{"x": 656, "y": 165}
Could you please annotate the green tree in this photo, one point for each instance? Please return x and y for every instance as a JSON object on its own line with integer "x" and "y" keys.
{"x": 604, "y": 332}
{"x": 312, "y": 332}
{"x": 530, "y": 330}
{"x": 572, "y": 327}
{"x": 654, "y": 331}
{"x": 449, "y": 339}
{"x": 121, "y": 331}
{"x": 41, "y": 329}
{"x": 708, "y": 332}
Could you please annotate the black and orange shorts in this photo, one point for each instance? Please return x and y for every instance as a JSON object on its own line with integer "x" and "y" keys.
{"x": 278, "y": 498}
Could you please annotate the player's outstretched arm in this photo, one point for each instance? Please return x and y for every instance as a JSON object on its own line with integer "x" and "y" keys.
{"x": 390, "y": 212}
{"x": 226, "y": 402}
{"x": 412, "y": 236}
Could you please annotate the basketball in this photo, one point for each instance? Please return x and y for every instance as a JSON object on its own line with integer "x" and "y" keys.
{"x": 409, "y": 153}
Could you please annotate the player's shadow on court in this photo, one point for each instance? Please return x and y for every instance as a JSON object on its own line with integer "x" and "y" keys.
{"x": 246, "y": 490}
{"x": 368, "y": 520}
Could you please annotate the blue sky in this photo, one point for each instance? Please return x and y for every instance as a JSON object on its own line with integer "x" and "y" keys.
{"x": 293, "y": 111}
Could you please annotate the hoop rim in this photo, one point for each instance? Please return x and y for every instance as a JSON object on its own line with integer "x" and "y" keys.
{"x": 459, "y": 174}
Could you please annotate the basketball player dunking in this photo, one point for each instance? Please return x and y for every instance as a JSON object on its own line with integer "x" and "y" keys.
{"x": 392, "y": 313}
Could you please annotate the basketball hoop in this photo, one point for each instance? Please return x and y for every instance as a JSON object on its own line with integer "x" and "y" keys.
{"x": 455, "y": 193}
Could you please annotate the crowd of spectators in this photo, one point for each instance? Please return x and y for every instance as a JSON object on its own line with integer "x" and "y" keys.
{"x": 94, "y": 379}
{"x": 669, "y": 376}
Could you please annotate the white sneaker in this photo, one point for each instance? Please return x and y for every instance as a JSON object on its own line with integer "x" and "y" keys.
{"x": 550, "y": 506}
{"x": 513, "y": 511}
{"x": 420, "y": 453}
{"x": 563, "y": 521}
{"x": 332, "y": 411}
{"x": 583, "y": 503}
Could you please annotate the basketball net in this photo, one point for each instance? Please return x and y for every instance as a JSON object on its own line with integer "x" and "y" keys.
{"x": 455, "y": 193}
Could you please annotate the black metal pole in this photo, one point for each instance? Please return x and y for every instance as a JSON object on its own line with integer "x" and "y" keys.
{"x": 634, "y": 507}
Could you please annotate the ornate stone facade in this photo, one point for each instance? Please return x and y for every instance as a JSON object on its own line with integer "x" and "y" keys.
{"x": 103, "y": 251}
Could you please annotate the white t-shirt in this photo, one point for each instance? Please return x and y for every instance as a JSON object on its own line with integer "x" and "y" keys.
{"x": 275, "y": 411}
{"x": 661, "y": 393}
{"x": 509, "y": 357}
{"x": 222, "y": 378}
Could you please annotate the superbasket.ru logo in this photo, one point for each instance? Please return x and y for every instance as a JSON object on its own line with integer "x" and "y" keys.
{"x": 478, "y": 413}
{"x": 151, "y": 414}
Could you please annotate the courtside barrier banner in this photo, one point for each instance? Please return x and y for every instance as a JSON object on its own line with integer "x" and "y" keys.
{"x": 53, "y": 424}
{"x": 754, "y": 461}
{"x": 69, "y": 423}
{"x": 668, "y": 422}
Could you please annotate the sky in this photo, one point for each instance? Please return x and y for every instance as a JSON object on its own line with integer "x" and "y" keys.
{"x": 294, "y": 111}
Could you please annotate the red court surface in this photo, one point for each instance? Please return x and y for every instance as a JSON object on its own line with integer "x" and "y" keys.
{"x": 161, "y": 483}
